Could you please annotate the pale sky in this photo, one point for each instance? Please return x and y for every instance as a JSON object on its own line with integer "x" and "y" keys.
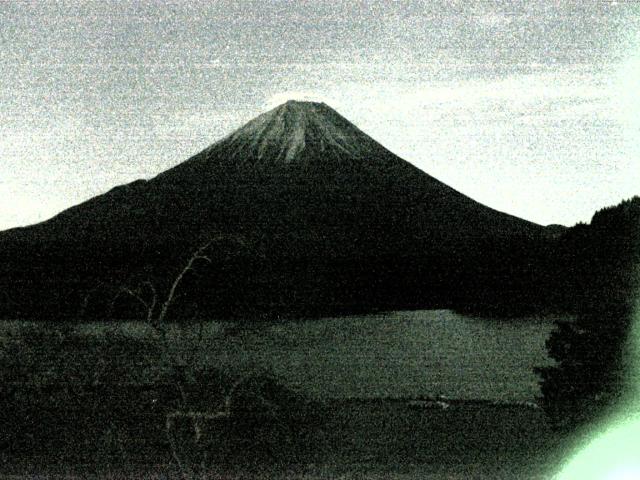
{"x": 530, "y": 107}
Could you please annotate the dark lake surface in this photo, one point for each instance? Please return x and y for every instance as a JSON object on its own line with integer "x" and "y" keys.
{"x": 403, "y": 354}
{"x": 391, "y": 354}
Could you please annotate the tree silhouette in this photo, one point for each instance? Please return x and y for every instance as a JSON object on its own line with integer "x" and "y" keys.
{"x": 601, "y": 263}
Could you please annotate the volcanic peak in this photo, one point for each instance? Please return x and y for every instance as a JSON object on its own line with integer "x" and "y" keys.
{"x": 282, "y": 134}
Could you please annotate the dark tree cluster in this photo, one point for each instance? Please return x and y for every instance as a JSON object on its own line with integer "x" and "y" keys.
{"x": 599, "y": 265}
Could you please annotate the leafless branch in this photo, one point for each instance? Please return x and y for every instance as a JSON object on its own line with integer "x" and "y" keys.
{"x": 198, "y": 255}
{"x": 138, "y": 294}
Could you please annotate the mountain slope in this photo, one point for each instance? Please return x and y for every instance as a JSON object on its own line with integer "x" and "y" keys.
{"x": 333, "y": 221}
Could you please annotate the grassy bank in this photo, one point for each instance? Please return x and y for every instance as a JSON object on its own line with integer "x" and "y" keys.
{"x": 379, "y": 439}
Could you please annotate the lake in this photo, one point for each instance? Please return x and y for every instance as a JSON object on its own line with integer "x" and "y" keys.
{"x": 393, "y": 354}
{"x": 408, "y": 353}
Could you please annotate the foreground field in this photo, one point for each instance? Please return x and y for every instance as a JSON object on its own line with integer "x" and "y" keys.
{"x": 378, "y": 439}
{"x": 330, "y": 398}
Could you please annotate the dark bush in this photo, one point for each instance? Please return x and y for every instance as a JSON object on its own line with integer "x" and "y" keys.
{"x": 105, "y": 398}
{"x": 600, "y": 268}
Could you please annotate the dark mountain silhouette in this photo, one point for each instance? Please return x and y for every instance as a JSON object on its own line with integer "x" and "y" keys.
{"x": 318, "y": 217}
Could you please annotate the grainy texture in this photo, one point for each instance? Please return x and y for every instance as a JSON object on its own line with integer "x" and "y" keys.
{"x": 171, "y": 328}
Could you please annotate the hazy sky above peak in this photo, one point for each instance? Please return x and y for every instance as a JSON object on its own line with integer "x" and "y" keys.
{"x": 531, "y": 107}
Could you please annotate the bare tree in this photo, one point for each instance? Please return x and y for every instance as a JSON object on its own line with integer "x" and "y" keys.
{"x": 146, "y": 294}
{"x": 156, "y": 311}
{"x": 198, "y": 255}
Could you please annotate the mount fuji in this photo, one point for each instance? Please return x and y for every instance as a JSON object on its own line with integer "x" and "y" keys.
{"x": 329, "y": 220}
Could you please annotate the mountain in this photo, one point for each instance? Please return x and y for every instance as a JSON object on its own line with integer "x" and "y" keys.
{"x": 317, "y": 216}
